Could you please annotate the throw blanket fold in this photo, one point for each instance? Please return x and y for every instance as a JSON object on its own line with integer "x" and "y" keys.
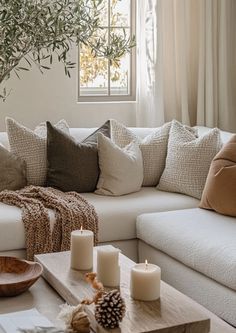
{"x": 71, "y": 212}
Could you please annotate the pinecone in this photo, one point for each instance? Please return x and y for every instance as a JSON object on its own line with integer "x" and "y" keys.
{"x": 110, "y": 309}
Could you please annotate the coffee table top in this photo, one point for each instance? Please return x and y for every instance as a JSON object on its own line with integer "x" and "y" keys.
{"x": 172, "y": 313}
{"x": 40, "y": 296}
{"x": 47, "y": 301}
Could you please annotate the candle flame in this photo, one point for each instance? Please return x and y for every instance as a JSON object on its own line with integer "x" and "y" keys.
{"x": 146, "y": 264}
{"x": 81, "y": 229}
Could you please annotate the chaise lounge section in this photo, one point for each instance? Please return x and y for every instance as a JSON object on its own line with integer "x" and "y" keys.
{"x": 196, "y": 250}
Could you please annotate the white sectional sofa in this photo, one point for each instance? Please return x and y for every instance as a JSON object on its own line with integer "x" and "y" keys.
{"x": 196, "y": 249}
{"x": 117, "y": 215}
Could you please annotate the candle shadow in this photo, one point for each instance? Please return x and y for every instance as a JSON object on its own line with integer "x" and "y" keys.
{"x": 76, "y": 276}
{"x": 152, "y": 309}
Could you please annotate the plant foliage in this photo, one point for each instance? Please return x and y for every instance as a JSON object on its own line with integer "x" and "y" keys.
{"x": 40, "y": 31}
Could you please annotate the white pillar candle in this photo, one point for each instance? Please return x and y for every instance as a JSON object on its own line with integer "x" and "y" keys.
{"x": 145, "y": 282}
{"x": 81, "y": 249}
{"x": 108, "y": 269}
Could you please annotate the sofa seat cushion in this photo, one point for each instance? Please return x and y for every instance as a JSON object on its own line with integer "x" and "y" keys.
{"x": 117, "y": 215}
{"x": 12, "y": 235}
{"x": 200, "y": 239}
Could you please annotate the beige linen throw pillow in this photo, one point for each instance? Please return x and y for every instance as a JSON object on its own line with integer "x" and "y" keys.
{"x": 32, "y": 148}
{"x": 121, "y": 169}
{"x": 188, "y": 160}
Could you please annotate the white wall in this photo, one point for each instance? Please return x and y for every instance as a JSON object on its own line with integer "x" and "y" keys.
{"x": 53, "y": 96}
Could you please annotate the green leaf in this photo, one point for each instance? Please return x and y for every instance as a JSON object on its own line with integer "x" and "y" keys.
{"x": 45, "y": 67}
{"x": 22, "y": 69}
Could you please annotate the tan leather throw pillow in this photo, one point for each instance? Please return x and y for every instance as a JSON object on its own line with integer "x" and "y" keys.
{"x": 220, "y": 189}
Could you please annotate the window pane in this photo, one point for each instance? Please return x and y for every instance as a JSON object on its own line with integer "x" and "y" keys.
{"x": 98, "y": 76}
{"x": 93, "y": 74}
{"x": 120, "y": 71}
{"x": 120, "y": 13}
{"x": 120, "y": 76}
{"x": 103, "y": 15}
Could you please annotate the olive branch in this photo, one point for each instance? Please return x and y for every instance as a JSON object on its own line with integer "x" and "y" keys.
{"x": 38, "y": 32}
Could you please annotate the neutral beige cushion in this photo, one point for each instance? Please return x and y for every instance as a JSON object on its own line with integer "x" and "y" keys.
{"x": 31, "y": 148}
{"x": 153, "y": 148}
{"x": 220, "y": 190}
{"x": 41, "y": 129}
{"x": 121, "y": 168}
{"x": 117, "y": 215}
{"x": 200, "y": 239}
{"x": 188, "y": 160}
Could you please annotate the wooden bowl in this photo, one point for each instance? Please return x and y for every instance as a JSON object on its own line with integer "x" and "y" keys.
{"x": 17, "y": 275}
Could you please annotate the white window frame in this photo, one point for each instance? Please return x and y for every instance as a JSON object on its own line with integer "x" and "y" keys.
{"x": 116, "y": 98}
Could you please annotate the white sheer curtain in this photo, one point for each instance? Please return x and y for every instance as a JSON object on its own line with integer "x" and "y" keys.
{"x": 187, "y": 62}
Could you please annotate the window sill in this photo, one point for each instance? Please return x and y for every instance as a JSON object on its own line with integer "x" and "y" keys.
{"x": 107, "y": 102}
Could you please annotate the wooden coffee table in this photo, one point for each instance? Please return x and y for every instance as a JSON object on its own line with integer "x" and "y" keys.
{"x": 173, "y": 313}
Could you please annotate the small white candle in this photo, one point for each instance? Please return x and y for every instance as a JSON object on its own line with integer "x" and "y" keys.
{"x": 145, "y": 282}
{"x": 108, "y": 269}
{"x": 82, "y": 249}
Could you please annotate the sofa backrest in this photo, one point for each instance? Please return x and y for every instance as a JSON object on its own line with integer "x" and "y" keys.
{"x": 81, "y": 133}
{"x": 225, "y": 136}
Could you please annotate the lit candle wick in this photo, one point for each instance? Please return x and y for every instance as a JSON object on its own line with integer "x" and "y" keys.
{"x": 81, "y": 229}
{"x": 146, "y": 264}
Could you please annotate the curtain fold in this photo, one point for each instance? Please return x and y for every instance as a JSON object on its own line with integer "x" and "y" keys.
{"x": 186, "y": 62}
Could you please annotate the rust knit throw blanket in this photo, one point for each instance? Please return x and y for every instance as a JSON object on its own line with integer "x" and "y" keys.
{"x": 71, "y": 211}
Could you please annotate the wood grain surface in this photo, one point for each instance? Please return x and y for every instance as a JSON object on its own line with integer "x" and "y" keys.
{"x": 17, "y": 275}
{"x": 173, "y": 313}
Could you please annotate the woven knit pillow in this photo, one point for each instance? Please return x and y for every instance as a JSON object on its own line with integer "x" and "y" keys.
{"x": 121, "y": 168}
{"x": 32, "y": 148}
{"x": 41, "y": 129}
{"x": 153, "y": 148}
{"x": 188, "y": 160}
{"x": 220, "y": 190}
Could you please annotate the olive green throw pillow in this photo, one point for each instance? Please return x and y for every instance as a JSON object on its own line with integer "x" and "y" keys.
{"x": 71, "y": 165}
{"x": 12, "y": 171}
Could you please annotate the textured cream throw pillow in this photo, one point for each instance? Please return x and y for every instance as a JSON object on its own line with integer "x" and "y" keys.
{"x": 32, "y": 148}
{"x": 153, "y": 148}
{"x": 188, "y": 160}
{"x": 121, "y": 168}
